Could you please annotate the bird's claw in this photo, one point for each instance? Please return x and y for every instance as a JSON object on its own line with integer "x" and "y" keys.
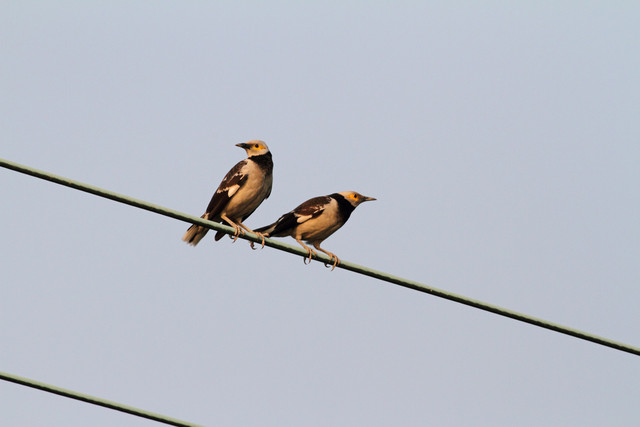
{"x": 336, "y": 262}
{"x": 237, "y": 234}
{"x": 262, "y": 237}
{"x": 307, "y": 259}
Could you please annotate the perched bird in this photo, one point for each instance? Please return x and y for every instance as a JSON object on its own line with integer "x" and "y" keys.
{"x": 240, "y": 193}
{"x": 315, "y": 220}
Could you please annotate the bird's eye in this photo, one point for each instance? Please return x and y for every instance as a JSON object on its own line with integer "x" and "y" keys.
{"x": 256, "y": 146}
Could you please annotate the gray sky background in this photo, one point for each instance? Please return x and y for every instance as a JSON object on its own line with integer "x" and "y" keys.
{"x": 502, "y": 142}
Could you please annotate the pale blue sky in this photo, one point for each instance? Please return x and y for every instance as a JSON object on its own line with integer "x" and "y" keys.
{"x": 502, "y": 142}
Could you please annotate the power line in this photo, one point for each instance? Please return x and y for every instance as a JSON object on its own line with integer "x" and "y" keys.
{"x": 324, "y": 259}
{"x": 95, "y": 400}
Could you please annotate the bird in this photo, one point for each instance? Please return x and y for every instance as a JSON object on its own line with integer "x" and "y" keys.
{"x": 315, "y": 220}
{"x": 239, "y": 194}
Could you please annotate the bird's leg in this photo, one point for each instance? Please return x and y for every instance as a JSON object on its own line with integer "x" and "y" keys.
{"x": 331, "y": 256}
{"x": 234, "y": 225}
{"x": 260, "y": 235}
{"x": 310, "y": 252}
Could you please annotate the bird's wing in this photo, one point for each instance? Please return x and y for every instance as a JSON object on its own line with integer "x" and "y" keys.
{"x": 231, "y": 183}
{"x": 309, "y": 209}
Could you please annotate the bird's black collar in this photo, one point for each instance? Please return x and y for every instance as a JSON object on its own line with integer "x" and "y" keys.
{"x": 263, "y": 160}
{"x": 344, "y": 206}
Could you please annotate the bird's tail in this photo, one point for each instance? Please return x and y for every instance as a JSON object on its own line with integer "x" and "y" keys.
{"x": 195, "y": 233}
{"x": 267, "y": 229}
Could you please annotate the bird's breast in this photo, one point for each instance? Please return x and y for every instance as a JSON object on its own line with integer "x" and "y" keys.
{"x": 249, "y": 196}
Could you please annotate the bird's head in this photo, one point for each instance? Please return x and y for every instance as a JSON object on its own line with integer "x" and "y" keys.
{"x": 355, "y": 198}
{"x": 254, "y": 148}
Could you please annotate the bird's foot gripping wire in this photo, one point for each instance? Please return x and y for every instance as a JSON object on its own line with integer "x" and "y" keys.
{"x": 260, "y": 235}
{"x": 336, "y": 262}
{"x": 310, "y": 252}
{"x": 332, "y": 257}
{"x": 237, "y": 234}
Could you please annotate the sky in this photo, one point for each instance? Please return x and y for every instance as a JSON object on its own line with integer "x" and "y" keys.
{"x": 500, "y": 139}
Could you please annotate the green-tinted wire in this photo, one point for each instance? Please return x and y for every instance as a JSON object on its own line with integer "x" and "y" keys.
{"x": 95, "y": 400}
{"x": 324, "y": 258}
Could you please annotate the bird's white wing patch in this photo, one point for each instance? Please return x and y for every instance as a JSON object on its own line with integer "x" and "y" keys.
{"x": 302, "y": 218}
{"x": 232, "y": 190}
